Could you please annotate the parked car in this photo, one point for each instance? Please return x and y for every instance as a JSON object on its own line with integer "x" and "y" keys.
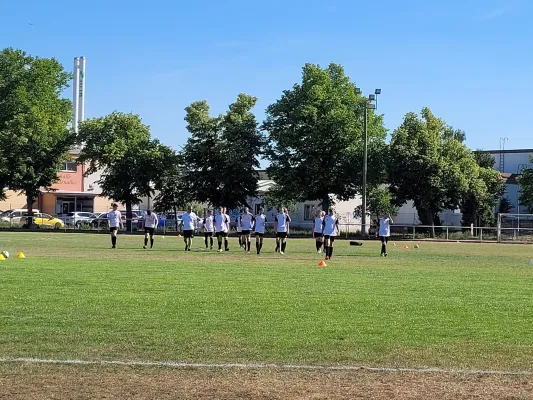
{"x": 78, "y": 218}
{"x": 101, "y": 221}
{"x": 14, "y": 216}
{"x": 45, "y": 221}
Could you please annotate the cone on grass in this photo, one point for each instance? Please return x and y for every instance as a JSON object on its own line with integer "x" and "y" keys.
{"x": 417, "y": 246}
{"x": 179, "y": 235}
{"x": 322, "y": 263}
{"x": 2, "y": 258}
{"x": 405, "y": 247}
{"x": 394, "y": 244}
{"x": 21, "y": 255}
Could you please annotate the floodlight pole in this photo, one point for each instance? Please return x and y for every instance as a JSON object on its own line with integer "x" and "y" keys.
{"x": 367, "y": 105}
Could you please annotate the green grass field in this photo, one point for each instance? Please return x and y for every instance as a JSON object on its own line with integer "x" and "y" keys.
{"x": 447, "y": 305}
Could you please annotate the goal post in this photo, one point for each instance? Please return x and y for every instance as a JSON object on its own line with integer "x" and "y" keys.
{"x": 515, "y": 227}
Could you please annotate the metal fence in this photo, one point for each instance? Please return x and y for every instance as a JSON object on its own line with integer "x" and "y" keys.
{"x": 504, "y": 233}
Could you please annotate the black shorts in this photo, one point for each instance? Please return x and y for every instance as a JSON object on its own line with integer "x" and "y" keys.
{"x": 188, "y": 233}
{"x": 282, "y": 235}
{"x": 245, "y": 233}
{"x": 384, "y": 239}
{"x": 318, "y": 235}
{"x": 259, "y": 234}
{"x": 331, "y": 238}
{"x": 113, "y": 229}
{"x": 222, "y": 234}
{"x": 149, "y": 230}
{"x": 208, "y": 234}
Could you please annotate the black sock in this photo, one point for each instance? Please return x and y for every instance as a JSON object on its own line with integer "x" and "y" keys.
{"x": 205, "y": 240}
{"x": 257, "y": 247}
{"x": 151, "y": 242}
{"x": 114, "y": 240}
{"x": 211, "y": 241}
{"x": 145, "y": 241}
{"x": 318, "y": 246}
{"x": 283, "y": 246}
{"x": 220, "y": 244}
{"x": 383, "y": 248}
{"x": 226, "y": 244}
{"x": 260, "y": 245}
{"x": 330, "y": 251}
{"x": 240, "y": 241}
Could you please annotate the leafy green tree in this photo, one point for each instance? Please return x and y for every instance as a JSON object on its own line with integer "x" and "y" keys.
{"x": 119, "y": 145}
{"x": 315, "y": 132}
{"x": 380, "y": 202}
{"x": 505, "y": 206}
{"x": 275, "y": 198}
{"x": 526, "y": 187}
{"x": 485, "y": 189}
{"x": 484, "y": 159}
{"x": 170, "y": 193}
{"x": 428, "y": 166}
{"x": 34, "y": 139}
{"x": 222, "y": 153}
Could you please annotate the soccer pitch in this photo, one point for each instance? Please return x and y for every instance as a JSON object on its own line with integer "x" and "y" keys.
{"x": 452, "y": 307}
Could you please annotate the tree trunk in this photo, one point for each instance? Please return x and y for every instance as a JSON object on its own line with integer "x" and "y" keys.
{"x": 29, "y": 206}
{"x": 325, "y": 203}
{"x": 431, "y": 217}
{"x": 129, "y": 222}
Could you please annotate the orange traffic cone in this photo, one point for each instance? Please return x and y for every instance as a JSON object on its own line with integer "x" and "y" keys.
{"x": 179, "y": 235}
{"x": 394, "y": 244}
{"x": 405, "y": 247}
{"x": 322, "y": 263}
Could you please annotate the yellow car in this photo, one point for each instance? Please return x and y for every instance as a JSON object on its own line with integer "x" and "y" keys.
{"x": 47, "y": 221}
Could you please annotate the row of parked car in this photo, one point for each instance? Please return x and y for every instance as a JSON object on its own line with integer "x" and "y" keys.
{"x": 79, "y": 219}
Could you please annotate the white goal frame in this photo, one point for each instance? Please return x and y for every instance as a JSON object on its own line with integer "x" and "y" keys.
{"x": 512, "y": 224}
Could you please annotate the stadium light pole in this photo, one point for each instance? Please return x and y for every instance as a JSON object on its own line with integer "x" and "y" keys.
{"x": 368, "y": 105}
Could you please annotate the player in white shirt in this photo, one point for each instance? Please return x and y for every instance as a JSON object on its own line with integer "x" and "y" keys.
{"x": 188, "y": 222}
{"x": 330, "y": 229}
{"x": 228, "y": 219}
{"x": 239, "y": 231}
{"x": 281, "y": 228}
{"x": 209, "y": 228}
{"x": 247, "y": 221}
{"x": 317, "y": 231}
{"x": 260, "y": 223}
{"x": 221, "y": 227}
{"x": 150, "y": 225}
{"x": 384, "y": 233}
{"x": 115, "y": 222}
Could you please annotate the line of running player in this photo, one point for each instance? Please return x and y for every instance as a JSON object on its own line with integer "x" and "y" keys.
{"x": 326, "y": 228}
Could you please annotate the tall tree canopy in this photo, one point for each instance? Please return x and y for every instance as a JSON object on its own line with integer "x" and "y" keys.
{"x": 220, "y": 158}
{"x": 526, "y": 189}
{"x": 428, "y": 166}
{"x": 483, "y": 193}
{"x": 315, "y": 131}
{"x": 119, "y": 145}
{"x": 34, "y": 139}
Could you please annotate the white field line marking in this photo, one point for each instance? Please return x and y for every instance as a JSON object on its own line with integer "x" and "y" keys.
{"x": 171, "y": 364}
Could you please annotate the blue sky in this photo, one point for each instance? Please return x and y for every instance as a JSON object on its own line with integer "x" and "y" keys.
{"x": 470, "y": 61}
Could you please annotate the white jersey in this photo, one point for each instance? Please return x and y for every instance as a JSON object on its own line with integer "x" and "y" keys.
{"x": 189, "y": 221}
{"x": 318, "y": 224}
{"x": 209, "y": 224}
{"x": 247, "y": 221}
{"x": 150, "y": 221}
{"x": 384, "y": 227}
{"x": 282, "y": 221}
{"x": 330, "y": 225}
{"x": 260, "y": 222}
{"x": 221, "y": 223}
{"x": 115, "y": 218}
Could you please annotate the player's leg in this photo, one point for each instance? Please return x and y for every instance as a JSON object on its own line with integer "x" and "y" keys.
{"x": 331, "y": 241}
{"x": 219, "y": 240}
{"x": 257, "y": 243}
{"x": 383, "y": 246}
{"x": 206, "y": 235}
{"x": 113, "y": 233}
{"x": 283, "y": 243}
{"x": 211, "y": 240}
{"x": 152, "y": 231}
{"x": 146, "y": 234}
{"x": 278, "y": 239}
{"x": 327, "y": 246}
{"x": 189, "y": 240}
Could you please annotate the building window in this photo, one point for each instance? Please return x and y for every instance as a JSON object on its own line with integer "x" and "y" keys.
{"x": 308, "y": 212}
{"x": 69, "y": 166}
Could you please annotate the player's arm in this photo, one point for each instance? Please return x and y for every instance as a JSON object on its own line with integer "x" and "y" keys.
{"x": 323, "y": 225}
{"x": 252, "y": 225}
{"x": 390, "y": 220}
{"x": 337, "y": 226}
{"x": 288, "y": 223}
